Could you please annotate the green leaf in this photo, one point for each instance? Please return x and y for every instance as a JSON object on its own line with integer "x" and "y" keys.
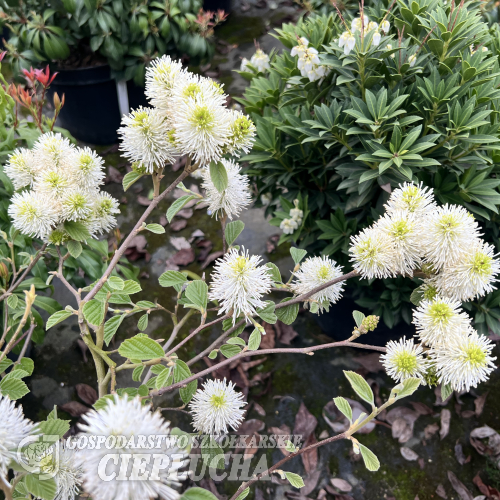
{"x": 358, "y": 317}
{"x": 274, "y": 272}
{"x": 26, "y": 364}
{"x": 162, "y": 379}
{"x": 360, "y": 386}
{"x": 243, "y": 494}
{"x": 137, "y": 373}
{"x": 4, "y": 364}
{"x": 111, "y": 326}
{"x": 218, "y": 175}
{"x": 236, "y": 341}
{"x": 94, "y": 311}
{"x": 44, "y": 489}
{"x": 140, "y": 347}
{"x": 182, "y": 372}
{"x": 267, "y": 313}
{"x": 14, "y": 388}
{"x": 57, "y": 317}
{"x": 254, "y": 340}
{"x": 197, "y": 294}
{"x": 142, "y": 324}
{"x": 344, "y": 407}
{"x": 77, "y": 231}
{"x": 12, "y": 301}
{"x": 294, "y": 479}
{"x": 198, "y": 494}
{"x": 130, "y": 287}
{"x": 417, "y": 296}
{"x": 287, "y": 314}
{"x": 213, "y": 354}
{"x": 55, "y": 427}
{"x": 101, "y": 403}
{"x": 74, "y": 248}
{"x": 407, "y": 387}
{"x": 116, "y": 283}
{"x": 229, "y": 351}
{"x": 130, "y": 178}
{"x": 172, "y": 278}
{"x": 212, "y": 453}
{"x": 177, "y": 205}
{"x": 297, "y": 254}
{"x": 233, "y": 230}
{"x": 155, "y": 228}
{"x": 446, "y": 391}
{"x": 289, "y": 446}
{"x": 370, "y": 459}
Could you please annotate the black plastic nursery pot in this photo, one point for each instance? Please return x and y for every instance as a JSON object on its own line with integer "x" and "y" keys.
{"x": 91, "y": 112}
{"x": 214, "y": 5}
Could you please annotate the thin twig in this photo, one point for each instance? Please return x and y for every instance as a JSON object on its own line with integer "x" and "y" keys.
{"x": 174, "y": 409}
{"x": 28, "y": 333}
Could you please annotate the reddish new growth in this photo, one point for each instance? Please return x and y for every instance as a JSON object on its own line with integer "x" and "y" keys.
{"x": 208, "y": 20}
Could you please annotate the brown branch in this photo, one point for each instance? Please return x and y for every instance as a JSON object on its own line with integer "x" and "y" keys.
{"x": 243, "y": 354}
{"x": 269, "y": 471}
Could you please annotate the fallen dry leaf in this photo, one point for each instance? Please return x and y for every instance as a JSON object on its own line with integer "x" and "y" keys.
{"x": 421, "y": 408}
{"x": 259, "y": 409}
{"x": 459, "y": 454}
{"x": 370, "y": 362}
{"x": 179, "y": 242}
{"x": 286, "y": 333}
{"x": 459, "y": 487}
{"x": 251, "y": 426}
{"x": 74, "y": 408}
{"x": 284, "y": 430}
{"x": 310, "y": 458}
{"x": 430, "y": 430}
{"x": 86, "y": 393}
{"x": 408, "y": 454}
{"x": 305, "y": 422}
{"x": 402, "y": 430}
{"x": 144, "y": 201}
{"x": 310, "y": 482}
{"x": 268, "y": 340}
{"x": 272, "y": 242}
{"x": 114, "y": 175}
{"x": 440, "y": 491}
{"x": 339, "y": 423}
{"x": 211, "y": 258}
{"x": 489, "y": 492}
{"x": 177, "y": 225}
{"x": 185, "y": 213}
{"x": 341, "y": 484}
{"x": 468, "y": 414}
{"x": 336, "y": 494}
{"x": 183, "y": 257}
{"x": 439, "y": 401}
{"x": 445, "y": 423}
{"x": 479, "y": 404}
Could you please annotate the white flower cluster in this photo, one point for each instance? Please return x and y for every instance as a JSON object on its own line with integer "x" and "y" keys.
{"x": 189, "y": 116}
{"x": 348, "y": 41}
{"x": 445, "y": 242}
{"x": 260, "y": 61}
{"x": 289, "y": 226}
{"x": 308, "y": 63}
{"x": 58, "y": 182}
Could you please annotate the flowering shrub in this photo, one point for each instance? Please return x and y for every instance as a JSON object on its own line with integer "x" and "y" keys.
{"x": 189, "y": 117}
{"x": 354, "y": 107}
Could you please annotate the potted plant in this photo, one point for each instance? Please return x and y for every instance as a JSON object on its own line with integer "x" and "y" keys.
{"x": 95, "y": 44}
{"x": 355, "y": 107}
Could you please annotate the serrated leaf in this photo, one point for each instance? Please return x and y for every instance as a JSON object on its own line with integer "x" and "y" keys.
{"x": 13, "y": 388}
{"x": 409, "y": 386}
{"x": 233, "y": 230}
{"x": 94, "y": 311}
{"x": 130, "y": 287}
{"x": 294, "y": 479}
{"x": 243, "y": 494}
{"x": 55, "y": 427}
{"x": 116, "y": 283}
{"x": 218, "y": 175}
{"x": 101, "y": 403}
{"x": 287, "y": 314}
{"x": 274, "y": 272}
{"x": 142, "y": 324}
{"x": 111, "y": 326}
{"x": 212, "y": 453}
{"x": 197, "y": 493}
{"x": 370, "y": 459}
{"x": 4, "y": 364}
{"x": 77, "y": 231}
{"x": 344, "y": 407}
{"x": 137, "y": 373}
{"x": 360, "y": 386}
{"x": 446, "y": 391}
{"x": 25, "y": 364}
{"x": 254, "y": 340}
{"x": 163, "y": 378}
{"x": 267, "y": 313}
{"x": 358, "y": 317}
{"x": 155, "y": 228}
{"x": 45, "y": 489}
{"x": 57, "y": 317}
{"x": 146, "y": 304}
{"x": 177, "y": 205}
{"x": 229, "y": 351}
{"x": 289, "y": 446}
{"x": 171, "y": 278}
{"x": 12, "y": 301}
{"x": 140, "y": 347}
{"x": 182, "y": 372}
{"x": 74, "y": 248}
{"x": 197, "y": 293}
{"x": 236, "y": 341}
{"x": 297, "y": 254}
{"x": 130, "y": 178}
{"x": 416, "y": 296}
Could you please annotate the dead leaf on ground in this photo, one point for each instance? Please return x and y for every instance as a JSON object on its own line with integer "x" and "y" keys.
{"x": 272, "y": 243}
{"x": 441, "y": 492}
{"x": 339, "y": 423}
{"x": 459, "y": 455}
{"x": 445, "y": 423}
{"x": 83, "y": 348}
{"x": 479, "y": 404}
{"x": 493, "y": 446}
{"x": 310, "y": 482}
{"x": 86, "y": 393}
{"x": 459, "y": 487}
{"x": 144, "y": 201}
{"x": 430, "y": 430}
{"x": 468, "y": 414}
{"x": 180, "y": 163}
{"x": 305, "y": 422}
{"x": 336, "y": 494}
{"x": 137, "y": 249}
{"x": 341, "y": 484}
{"x": 310, "y": 458}
{"x": 183, "y": 257}
{"x": 284, "y": 430}
{"x": 250, "y": 426}
{"x": 489, "y": 492}
{"x": 285, "y": 333}
{"x": 402, "y": 430}
{"x": 268, "y": 340}
{"x": 439, "y": 401}
{"x": 259, "y": 409}
{"x": 185, "y": 213}
{"x": 114, "y": 175}
{"x": 408, "y": 454}
{"x": 370, "y": 362}
{"x": 211, "y": 258}
{"x": 421, "y": 408}
{"x": 74, "y": 408}
{"x": 177, "y": 225}
{"x": 179, "y": 242}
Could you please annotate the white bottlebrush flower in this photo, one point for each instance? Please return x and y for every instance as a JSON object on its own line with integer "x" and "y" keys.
{"x": 376, "y": 39}
{"x": 413, "y": 198}
{"x": 472, "y": 275}
{"x": 21, "y": 168}
{"x": 144, "y": 135}
{"x": 54, "y": 182}
{"x": 440, "y": 320}
{"x": 404, "y": 359}
{"x": 13, "y": 429}
{"x": 464, "y": 361}
{"x": 53, "y": 150}
{"x": 217, "y": 407}
{"x": 448, "y": 232}
{"x": 76, "y": 204}
{"x": 402, "y": 229}
{"x": 234, "y": 198}
{"x": 32, "y": 214}
{"x": 104, "y": 209}
{"x": 202, "y": 128}
{"x": 130, "y": 419}
{"x": 289, "y": 226}
{"x": 238, "y": 283}
{"x": 385, "y": 26}
{"x": 372, "y": 253}
{"x": 412, "y": 60}
{"x": 260, "y": 60}
{"x": 241, "y": 132}
{"x": 314, "y": 272}
{"x": 160, "y": 79}
{"x": 87, "y": 168}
